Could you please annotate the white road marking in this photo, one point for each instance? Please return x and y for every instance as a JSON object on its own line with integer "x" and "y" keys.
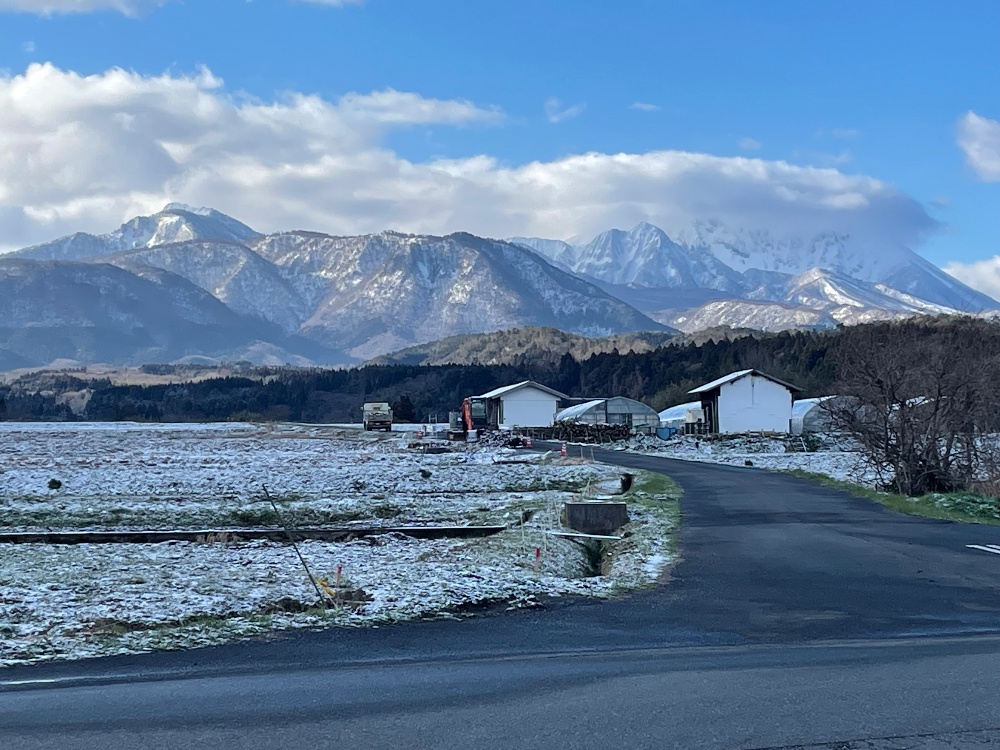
{"x": 994, "y": 548}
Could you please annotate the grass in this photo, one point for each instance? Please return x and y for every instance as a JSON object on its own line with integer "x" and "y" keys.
{"x": 653, "y": 483}
{"x": 961, "y": 507}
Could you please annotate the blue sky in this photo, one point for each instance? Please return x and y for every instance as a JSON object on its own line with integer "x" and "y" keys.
{"x": 870, "y": 89}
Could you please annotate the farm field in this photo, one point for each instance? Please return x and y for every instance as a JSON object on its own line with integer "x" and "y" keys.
{"x": 72, "y": 601}
{"x": 839, "y": 460}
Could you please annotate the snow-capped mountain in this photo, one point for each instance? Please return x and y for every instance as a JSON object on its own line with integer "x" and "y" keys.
{"x": 354, "y": 297}
{"x": 378, "y": 293}
{"x": 816, "y": 299}
{"x": 825, "y": 278}
{"x": 760, "y": 316}
{"x": 97, "y": 312}
{"x": 230, "y": 272}
{"x": 308, "y": 297}
{"x": 175, "y": 223}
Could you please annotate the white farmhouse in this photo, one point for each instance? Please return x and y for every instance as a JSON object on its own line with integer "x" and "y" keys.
{"x": 747, "y": 401}
{"x": 525, "y": 404}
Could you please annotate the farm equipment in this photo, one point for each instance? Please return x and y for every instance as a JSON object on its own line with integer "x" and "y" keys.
{"x": 471, "y": 419}
{"x": 377, "y": 416}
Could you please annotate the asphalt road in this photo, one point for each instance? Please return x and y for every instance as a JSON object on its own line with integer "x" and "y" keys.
{"x": 798, "y": 615}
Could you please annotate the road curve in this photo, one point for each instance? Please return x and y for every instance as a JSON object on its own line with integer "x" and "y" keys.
{"x": 797, "y": 614}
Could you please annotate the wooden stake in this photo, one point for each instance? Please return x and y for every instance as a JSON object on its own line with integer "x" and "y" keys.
{"x": 295, "y": 546}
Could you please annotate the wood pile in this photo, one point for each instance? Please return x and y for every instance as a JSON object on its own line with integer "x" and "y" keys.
{"x": 578, "y": 432}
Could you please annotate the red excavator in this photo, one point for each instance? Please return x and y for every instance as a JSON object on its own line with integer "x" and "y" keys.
{"x": 471, "y": 418}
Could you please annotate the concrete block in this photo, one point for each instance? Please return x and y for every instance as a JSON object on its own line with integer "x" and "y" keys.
{"x": 595, "y": 518}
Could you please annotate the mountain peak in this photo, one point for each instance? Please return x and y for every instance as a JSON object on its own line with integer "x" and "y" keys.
{"x": 644, "y": 227}
{"x": 185, "y": 208}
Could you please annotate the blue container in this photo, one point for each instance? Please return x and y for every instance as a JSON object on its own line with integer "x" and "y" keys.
{"x": 664, "y": 432}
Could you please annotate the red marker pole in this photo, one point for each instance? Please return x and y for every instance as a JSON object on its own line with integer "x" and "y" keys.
{"x": 538, "y": 558}
{"x": 339, "y": 569}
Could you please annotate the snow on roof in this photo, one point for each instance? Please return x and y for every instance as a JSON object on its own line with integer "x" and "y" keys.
{"x": 736, "y": 376}
{"x": 680, "y": 410}
{"x": 503, "y": 391}
{"x": 803, "y": 405}
{"x": 578, "y": 410}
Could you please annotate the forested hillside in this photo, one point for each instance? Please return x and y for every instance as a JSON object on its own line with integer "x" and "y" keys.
{"x": 535, "y": 345}
{"x": 660, "y": 378}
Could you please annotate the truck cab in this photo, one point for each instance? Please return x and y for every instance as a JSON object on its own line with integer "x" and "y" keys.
{"x": 377, "y": 415}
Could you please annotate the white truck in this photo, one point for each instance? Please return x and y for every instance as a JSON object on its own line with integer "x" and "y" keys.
{"x": 377, "y": 416}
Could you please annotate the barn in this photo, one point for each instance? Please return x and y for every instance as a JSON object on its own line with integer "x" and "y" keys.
{"x": 747, "y": 401}
{"x": 524, "y": 404}
{"x": 616, "y": 410}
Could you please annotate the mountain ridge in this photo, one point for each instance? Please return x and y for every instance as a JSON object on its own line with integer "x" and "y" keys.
{"x": 353, "y": 297}
{"x": 728, "y": 269}
{"x": 320, "y": 298}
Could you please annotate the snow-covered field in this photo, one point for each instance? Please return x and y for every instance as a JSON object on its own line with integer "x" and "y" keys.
{"x": 835, "y": 460}
{"x": 74, "y": 601}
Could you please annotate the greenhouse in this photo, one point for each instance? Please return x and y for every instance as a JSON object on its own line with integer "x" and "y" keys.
{"x": 808, "y": 415}
{"x": 617, "y": 410}
{"x": 676, "y": 416}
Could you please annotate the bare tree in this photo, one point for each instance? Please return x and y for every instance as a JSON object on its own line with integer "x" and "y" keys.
{"x": 921, "y": 397}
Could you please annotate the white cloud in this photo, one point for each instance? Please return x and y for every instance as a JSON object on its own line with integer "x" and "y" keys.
{"x": 28, "y": 47}
{"x": 983, "y": 275}
{"x": 750, "y": 144}
{"x": 53, "y": 7}
{"x": 556, "y": 112}
{"x": 83, "y": 153}
{"x": 979, "y": 138}
{"x": 644, "y": 107}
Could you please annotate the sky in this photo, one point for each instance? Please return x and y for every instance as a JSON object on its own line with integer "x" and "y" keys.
{"x": 552, "y": 118}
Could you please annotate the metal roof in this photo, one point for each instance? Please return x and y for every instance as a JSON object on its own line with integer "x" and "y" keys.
{"x": 498, "y": 392}
{"x": 577, "y": 410}
{"x": 736, "y": 376}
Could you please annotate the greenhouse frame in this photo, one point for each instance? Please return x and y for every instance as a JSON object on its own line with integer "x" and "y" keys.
{"x": 616, "y": 410}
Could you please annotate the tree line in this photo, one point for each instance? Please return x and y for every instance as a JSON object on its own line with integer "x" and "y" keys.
{"x": 660, "y": 378}
{"x": 920, "y": 396}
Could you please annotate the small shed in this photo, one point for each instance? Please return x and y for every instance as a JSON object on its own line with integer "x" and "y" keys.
{"x": 678, "y": 417}
{"x": 616, "y": 410}
{"x": 809, "y": 415}
{"x": 747, "y": 401}
{"x": 524, "y": 404}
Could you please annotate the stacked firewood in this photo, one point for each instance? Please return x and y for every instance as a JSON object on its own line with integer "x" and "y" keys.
{"x": 578, "y": 432}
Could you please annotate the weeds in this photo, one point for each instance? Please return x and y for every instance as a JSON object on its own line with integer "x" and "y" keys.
{"x": 961, "y": 507}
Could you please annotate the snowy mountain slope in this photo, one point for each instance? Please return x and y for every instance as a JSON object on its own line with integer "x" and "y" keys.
{"x": 175, "y": 223}
{"x": 369, "y": 294}
{"x": 711, "y": 257}
{"x": 561, "y": 254}
{"x": 762, "y": 316}
{"x": 96, "y": 312}
{"x": 817, "y": 298}
{"x": 231, "y": 272}
{"x": 822, "y": 289}
{"x": 646, "y": 256}
{"x": 643, "y": 256}
{"x": 378, "y": 293}
{"x": 372, "y": 294}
